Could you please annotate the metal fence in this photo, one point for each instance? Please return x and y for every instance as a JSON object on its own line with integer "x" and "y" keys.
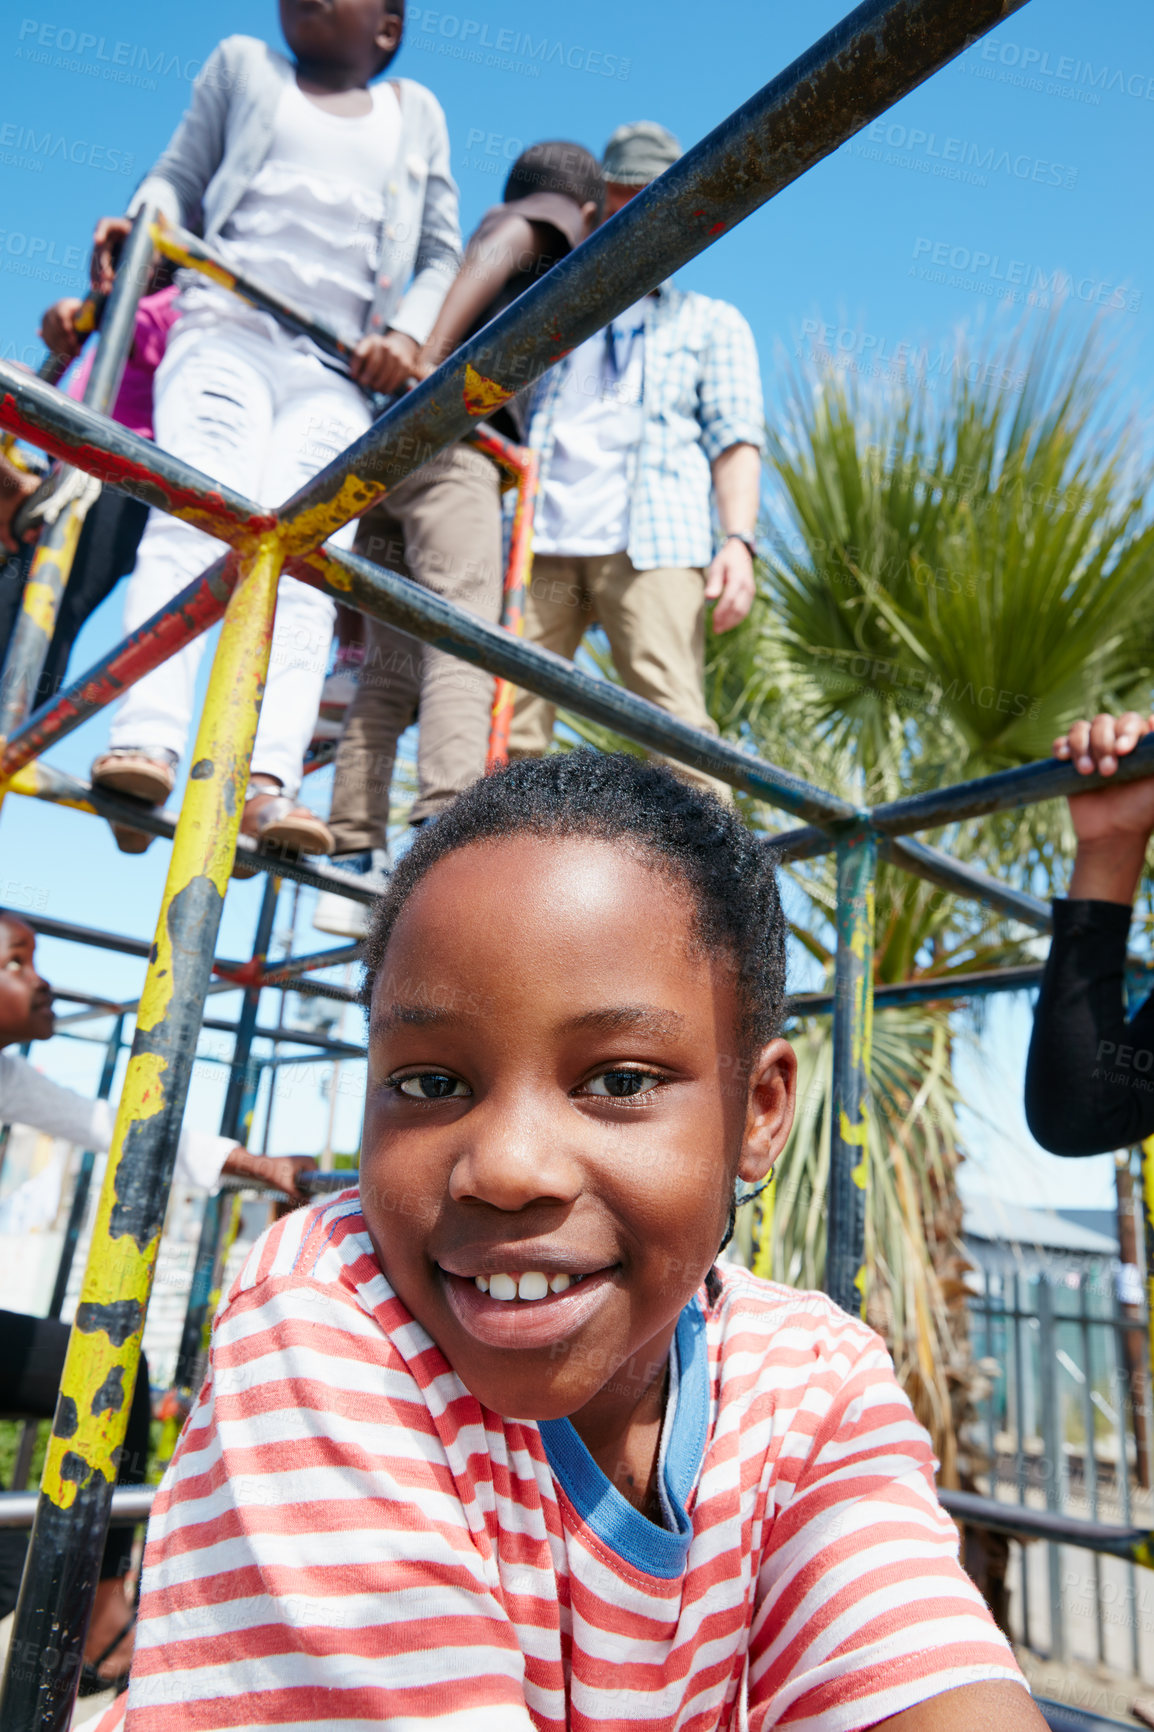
{"x": 1065, "y": 1427}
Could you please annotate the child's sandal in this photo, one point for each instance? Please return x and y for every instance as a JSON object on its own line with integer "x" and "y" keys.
{"x": 275, "y": 821}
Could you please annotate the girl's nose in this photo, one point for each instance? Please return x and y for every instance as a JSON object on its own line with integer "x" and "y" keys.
{"x": 515, "y": 1157}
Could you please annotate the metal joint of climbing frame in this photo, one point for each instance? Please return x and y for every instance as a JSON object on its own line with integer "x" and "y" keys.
{"x": 104, "y": 1347}
{"x": 852, "y": 1039}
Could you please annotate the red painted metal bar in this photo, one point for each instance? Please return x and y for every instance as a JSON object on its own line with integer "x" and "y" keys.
{"x": 518, "y": 575}
{"x": 136, "y": 466}
{"x": 177, "y": 623}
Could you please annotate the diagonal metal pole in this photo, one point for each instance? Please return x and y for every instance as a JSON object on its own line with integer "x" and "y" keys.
{"x": 217, "y": 1207}
{"x": 52, "y": 561}
{"x": 79, "y": 1207}
{"x": 845, "y": 1271}
{"x": 104, "y": 1349}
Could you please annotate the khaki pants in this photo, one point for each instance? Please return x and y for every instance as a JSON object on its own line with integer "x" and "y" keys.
{"x": 655, "y": 623}
{"x": 442, "y": 527}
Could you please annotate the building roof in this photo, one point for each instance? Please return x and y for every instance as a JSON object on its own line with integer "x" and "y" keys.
{"x": 1002, "y": 1223}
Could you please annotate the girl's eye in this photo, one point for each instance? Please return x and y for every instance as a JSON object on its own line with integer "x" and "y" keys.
{"x": 623, "y": 1084}
{"x": 14, "y": 967}
{"x": 431, "y": 1085}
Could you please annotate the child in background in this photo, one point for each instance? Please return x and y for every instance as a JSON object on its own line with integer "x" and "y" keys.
{"x": 334, "y": 191}
{"x": 493, "y": 1442}
{"x": 442, "y": 526}
{"x": 114, "y": 523}
{"x": 113, "y": 527}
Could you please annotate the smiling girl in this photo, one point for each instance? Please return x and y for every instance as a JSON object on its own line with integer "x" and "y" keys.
{"x": 493, "y": 1442}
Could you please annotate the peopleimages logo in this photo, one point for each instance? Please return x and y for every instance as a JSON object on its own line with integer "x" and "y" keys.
{"x": 1010, "y": 279}
{"x": 26, "y": 147}
{"x": 1028, "y": 67}
{"x": 47, "y": 44}
{"x": 957, "y": 158}
{"x": 507, "y": 49}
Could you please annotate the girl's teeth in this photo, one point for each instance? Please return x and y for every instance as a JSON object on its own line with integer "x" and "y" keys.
{"x": 531, "y": 1285}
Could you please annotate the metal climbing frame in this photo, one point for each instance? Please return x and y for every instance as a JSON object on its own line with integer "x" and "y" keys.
{"x": 875, "y": 56}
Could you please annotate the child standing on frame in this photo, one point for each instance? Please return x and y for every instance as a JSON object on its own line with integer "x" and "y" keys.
{"x": 442, "y": 526}
{"x": 493, "y": 1442}
{"x": 334, "y": 191}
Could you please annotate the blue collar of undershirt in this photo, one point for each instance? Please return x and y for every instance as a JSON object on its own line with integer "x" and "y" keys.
{"x": 654, "y": 1550}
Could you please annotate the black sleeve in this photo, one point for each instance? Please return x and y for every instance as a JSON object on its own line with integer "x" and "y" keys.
{"x": 1090, "y": 1073}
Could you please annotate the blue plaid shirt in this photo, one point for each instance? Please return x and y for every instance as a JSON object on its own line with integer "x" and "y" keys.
{"x": 701, "y": 394}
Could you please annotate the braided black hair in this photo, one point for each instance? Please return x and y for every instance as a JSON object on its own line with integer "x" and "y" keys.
{"x": 685, "y": 833}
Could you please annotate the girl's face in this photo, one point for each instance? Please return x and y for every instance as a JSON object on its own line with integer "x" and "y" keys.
{"x": 557, "y": 1107}
{"x": 352, "y": 34}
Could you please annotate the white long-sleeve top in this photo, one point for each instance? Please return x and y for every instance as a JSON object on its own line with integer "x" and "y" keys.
{"x": 28, "y": 1098}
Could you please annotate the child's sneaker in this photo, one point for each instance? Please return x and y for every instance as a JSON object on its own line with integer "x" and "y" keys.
{"x": 338, "y": 914}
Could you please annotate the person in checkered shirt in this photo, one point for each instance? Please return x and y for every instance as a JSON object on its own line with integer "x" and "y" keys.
{"x": 637, "y": 429}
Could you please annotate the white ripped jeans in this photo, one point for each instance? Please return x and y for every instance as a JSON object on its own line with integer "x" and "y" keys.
{"x": 240, "y": 401}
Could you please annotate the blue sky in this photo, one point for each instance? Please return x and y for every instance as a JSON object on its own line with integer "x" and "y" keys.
{"x": 1012, "y": 171}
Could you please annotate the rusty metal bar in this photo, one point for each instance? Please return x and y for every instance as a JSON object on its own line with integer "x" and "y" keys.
{"x": 373, "y": 590}
{"x": 1025, "y": 786}
{"x": 104, "y": 1349}
{"x": 194, "y": 254}
{"x": 232, "y": 1124}
{"x": 178, "y": 622}
{"x": 79, "y": 1207}
{"x": 78, "y": 436}
{"x": 928, "y": 989}
{"x": 44, "y": 782}
{"x": 845, "y": 1270}
{"x": 56, "y": 422}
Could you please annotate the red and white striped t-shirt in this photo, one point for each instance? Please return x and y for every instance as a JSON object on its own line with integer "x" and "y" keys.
{"x": 346, "y": 1538}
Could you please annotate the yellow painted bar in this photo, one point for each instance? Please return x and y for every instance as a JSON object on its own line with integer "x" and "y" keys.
{"x": 118, "y": 1278}
{"x": 120, "y": 1269}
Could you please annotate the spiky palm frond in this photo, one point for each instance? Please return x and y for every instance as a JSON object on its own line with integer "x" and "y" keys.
{"x": 983, "y": 578}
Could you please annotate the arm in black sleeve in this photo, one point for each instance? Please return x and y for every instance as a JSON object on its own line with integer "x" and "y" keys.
{"x": 1090, "y": 1072}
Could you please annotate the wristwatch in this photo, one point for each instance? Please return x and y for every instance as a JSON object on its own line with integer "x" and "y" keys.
{"x": 746, "y": 541}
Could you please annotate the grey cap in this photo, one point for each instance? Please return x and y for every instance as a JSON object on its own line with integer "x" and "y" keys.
{"x": 638, "y": 152}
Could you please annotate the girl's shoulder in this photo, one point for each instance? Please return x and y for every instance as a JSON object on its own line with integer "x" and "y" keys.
{"x": 767, "y": 1321}
{"x": 238, "y": 63}
{"x": 326, "y": 1244}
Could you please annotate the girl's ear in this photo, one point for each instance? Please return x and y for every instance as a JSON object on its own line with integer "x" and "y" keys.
{"x": 768, "y": 1110}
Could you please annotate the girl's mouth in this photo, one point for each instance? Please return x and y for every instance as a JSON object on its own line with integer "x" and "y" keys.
{"x": 525, "y": 1308}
